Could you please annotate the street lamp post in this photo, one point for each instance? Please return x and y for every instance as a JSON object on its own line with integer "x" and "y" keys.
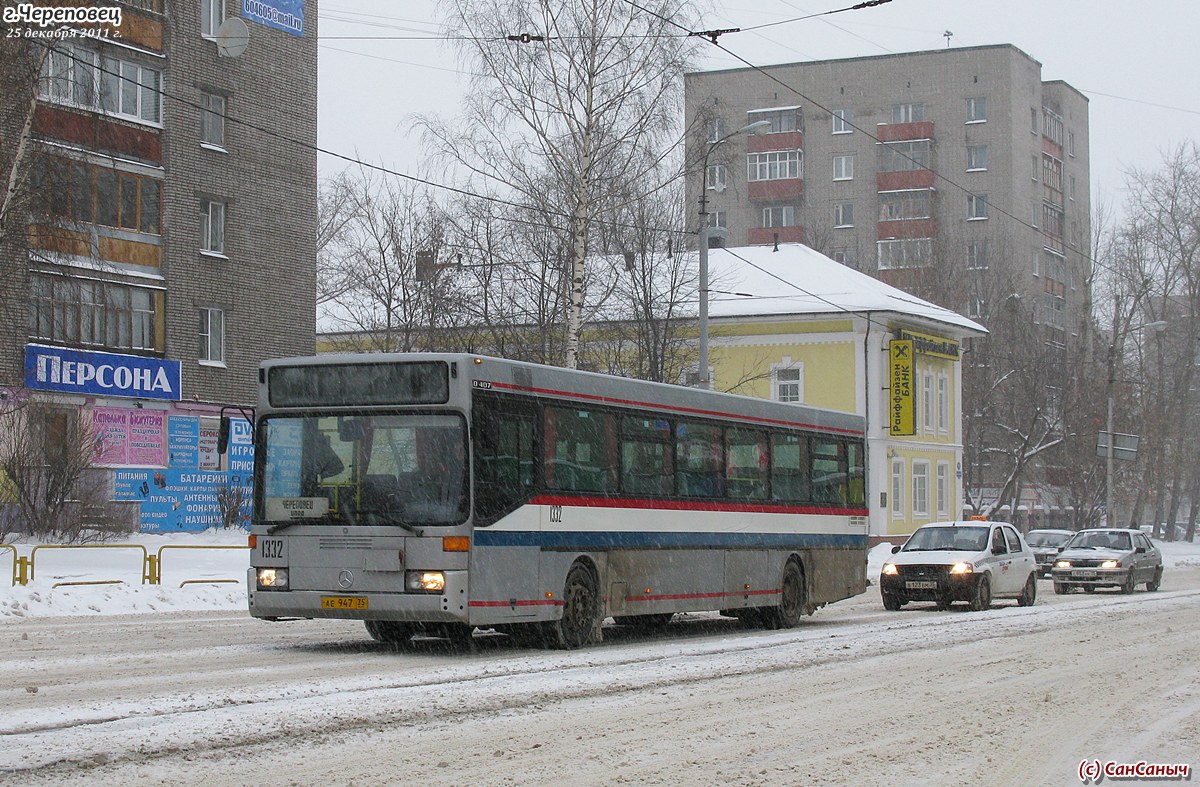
{"x": 704, "y": 380}
{"x": 1156, "y": 326}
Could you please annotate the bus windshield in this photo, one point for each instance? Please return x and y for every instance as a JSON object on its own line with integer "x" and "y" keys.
{"x": 399, "y": 469}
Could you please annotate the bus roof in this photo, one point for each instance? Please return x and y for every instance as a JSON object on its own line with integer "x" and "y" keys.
{"x": 556, "y": 383}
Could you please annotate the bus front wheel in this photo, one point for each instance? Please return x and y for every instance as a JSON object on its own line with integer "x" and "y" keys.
{"x": 389, "y": 632}
{"x": 580, "y": 621}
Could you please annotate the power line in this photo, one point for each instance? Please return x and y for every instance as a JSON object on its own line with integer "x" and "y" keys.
{"x": 1087, "y": 256}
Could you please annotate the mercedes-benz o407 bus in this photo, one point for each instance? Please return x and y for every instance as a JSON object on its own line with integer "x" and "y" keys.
{"x": 437, "y": 493}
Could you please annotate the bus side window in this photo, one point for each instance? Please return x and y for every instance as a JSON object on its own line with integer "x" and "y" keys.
{"x": 789, "y": 467}
{"x": 504, "y": 463}
{"x": 828, "y": 475}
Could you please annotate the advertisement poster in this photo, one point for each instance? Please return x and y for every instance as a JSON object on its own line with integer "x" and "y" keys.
{"x": 188, "y": 498}
{"x": 129, "y": 436}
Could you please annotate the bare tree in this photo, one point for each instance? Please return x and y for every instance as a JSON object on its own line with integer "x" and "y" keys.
{"x": 47, "y": 456}
{"x": 567, "y": 101}
{"x": 385, "y": 273}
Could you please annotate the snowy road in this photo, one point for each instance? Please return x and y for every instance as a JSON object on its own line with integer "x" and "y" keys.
{"x": 855, "y": 695}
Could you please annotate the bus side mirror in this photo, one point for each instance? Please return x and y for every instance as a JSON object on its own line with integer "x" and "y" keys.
{"x": 223, "y": 435}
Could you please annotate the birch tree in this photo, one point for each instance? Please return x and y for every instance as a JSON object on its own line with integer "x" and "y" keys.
{"x": 567, "y": 101}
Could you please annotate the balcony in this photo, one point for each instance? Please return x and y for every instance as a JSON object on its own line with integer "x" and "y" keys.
{"x": 898, "y": 132}
{"x": 906, "y": 228}
{"x": 781, "y": 189}
{"x": 783, "y": 140}
{"x": 907, "y": 179}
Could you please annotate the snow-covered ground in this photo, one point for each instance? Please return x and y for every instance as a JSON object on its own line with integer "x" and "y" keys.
{"x": 206, "y": 571}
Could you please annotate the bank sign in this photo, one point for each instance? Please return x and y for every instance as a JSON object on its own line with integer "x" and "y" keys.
{"x": 101, "y": 374}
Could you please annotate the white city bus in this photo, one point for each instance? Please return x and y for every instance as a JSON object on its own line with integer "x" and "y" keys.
{"x": 437, "y": 493}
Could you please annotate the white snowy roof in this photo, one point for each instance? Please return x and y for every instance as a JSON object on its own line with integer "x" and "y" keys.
{"x": 750, "y": 281}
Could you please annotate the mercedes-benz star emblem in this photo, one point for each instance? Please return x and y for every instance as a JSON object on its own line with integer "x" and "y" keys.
{"x": 346, "y": 578}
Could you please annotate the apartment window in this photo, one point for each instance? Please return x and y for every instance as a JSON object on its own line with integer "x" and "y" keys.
{"x": 779, "y": 216}
{"x": 897, "y": 487}
{"x": 1071, "y": 186}
{"x": 976, "y": 110}
{"x": 943, "y": 404}
{"x": 1052, "y": 126}
{"x": 789, "y": 382}
{"x": 943, "y": 490}
{"x": 908, "y": 113}
{"x": 904, "y": 156}
{"x": 976, "y": 157}
{"x": 212, "y": 226}
{"x": 843, "y": 167}
{"x": 1053, "y": 218}
{"x": 716, "y": 219}
{"x": 977, "y": 207}
{"x": 782, "y": 119}
{"x": 927, "y": 402}
{"x": 212, "y": 14}
{"x": 1033, "y": 120}
{"x": 715, "y": 177}
{"x": 842, "y": 121}
{"x": 920, "y": 489}
{"x": 714, "y": 129}
{"x": 89, "y": 193}
{"x": 212, "y": 335}
{"x": 977, "y": 255}
{"x": 844, "y": 257}
{"x": 904, "y": 252}
{"x": 1070, "y": 143}
{"x": 1035, "y": 167}
{"x": 843, "y": 214}
{"x": 904, "y": 205}
{"x": 775, "y": 165}
{"x": 92, "y": 313}
{"x": 73, "y": 74}
{"x": 212, "y": 119}
{"x": 976, "y": 307}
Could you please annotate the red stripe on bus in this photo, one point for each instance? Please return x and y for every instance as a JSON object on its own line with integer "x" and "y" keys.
{"x": 537, "y": 602}
{"x": 669, "y": 408}
{"x": 691, "y": 505}
{"x": 679, "y": 596}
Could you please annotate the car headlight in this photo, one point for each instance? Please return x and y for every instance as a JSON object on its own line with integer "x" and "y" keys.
{"x": 1111, "y": 564}
{"x": 1062, "y": 564}
{"x": 425, "y": 581}
{"x": 889, "y": 569}
{"x": 962, "y": 568}
{"x": 272, "y": 579}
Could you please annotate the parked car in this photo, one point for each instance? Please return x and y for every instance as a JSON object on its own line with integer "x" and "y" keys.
{"x": 968, "y": 561}
{"x": 1046, "y": 544}
{"x": 1108, "y": 557}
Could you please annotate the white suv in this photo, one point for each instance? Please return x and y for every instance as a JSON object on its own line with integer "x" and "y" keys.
{"x": 970, "y": 561}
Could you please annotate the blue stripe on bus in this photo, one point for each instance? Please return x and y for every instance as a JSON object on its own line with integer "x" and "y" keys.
{"x": 611, "y": 539}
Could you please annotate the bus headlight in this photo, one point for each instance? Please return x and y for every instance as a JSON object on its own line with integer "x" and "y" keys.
{"x": 272, "y": 579}
{"x": 425, "y": 581}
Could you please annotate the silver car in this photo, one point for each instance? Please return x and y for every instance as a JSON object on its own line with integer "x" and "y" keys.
{"x": 1107, "y": 557}
{"x": 1046, "y": 544}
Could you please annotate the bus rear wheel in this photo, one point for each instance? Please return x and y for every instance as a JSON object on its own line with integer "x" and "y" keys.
{"x": 580, "y": 621}
{"x": 791, "y": 600}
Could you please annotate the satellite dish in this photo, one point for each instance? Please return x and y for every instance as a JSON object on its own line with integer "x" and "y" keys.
{"x": 232, "y": 37}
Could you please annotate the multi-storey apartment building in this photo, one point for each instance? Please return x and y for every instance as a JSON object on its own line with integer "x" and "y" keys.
{"x": 959, "y": 162}
{"x": 170, "y": 176}
{"x": 957, "y": 174}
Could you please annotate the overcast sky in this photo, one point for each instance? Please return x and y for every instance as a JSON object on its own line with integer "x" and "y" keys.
{"x": 1137, "y": 64}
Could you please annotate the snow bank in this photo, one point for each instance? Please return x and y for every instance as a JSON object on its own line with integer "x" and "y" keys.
{"x": 207, "y": 572}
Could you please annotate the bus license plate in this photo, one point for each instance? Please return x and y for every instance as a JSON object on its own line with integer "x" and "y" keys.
{"x": 921, "y": 585}
{"x": 343, "y": 602}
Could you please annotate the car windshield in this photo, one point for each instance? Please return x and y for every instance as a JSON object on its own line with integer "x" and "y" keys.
{"x": 378, "y": 469}
{"x": 1100, "y": 539}
{"x": 965, "y": 538}
{"x": 1037, "y": 539}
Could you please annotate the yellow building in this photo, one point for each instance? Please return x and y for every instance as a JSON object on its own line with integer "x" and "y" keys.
{"x": 795, "y": 326}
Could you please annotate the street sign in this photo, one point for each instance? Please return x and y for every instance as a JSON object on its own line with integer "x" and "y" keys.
{"x": 1125, "y": 446}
